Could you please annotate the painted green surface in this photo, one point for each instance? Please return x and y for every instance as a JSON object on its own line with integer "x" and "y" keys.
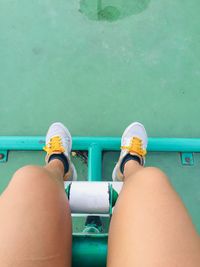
{"x": 97, "y": 70}
{"x": 112, "y": 10}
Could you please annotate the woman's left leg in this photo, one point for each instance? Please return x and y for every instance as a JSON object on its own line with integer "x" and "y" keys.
{"x": 35, "y": 219}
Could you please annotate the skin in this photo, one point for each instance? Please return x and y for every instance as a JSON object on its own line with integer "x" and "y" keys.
{"x": 150, "y": 226}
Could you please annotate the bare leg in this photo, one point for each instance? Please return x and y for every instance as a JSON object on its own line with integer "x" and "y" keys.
{"x": 150, "y": 226}
{"x": 35, "y": 219}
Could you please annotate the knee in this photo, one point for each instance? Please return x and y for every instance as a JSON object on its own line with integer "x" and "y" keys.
{"x": 31, "y": 175}
{"x": 153, "y": 172}
{"x": 31, "y": 171}
{"x": 34, "y": 184}
{"x": 151, "y": 176}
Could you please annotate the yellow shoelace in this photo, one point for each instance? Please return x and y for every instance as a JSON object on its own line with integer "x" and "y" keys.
{"x": 135, "y": 147}
{"x": 54, "y": 145}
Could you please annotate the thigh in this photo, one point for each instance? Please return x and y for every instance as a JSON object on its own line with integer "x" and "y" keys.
{"x": 35, "y": 221}
{"x": 150, "y": 225}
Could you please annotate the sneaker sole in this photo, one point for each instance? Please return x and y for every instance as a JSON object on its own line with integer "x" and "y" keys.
{"x": 74, "y": 178}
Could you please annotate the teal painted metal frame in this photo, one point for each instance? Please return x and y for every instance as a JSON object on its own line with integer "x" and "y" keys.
{"x": 96, "y": 145}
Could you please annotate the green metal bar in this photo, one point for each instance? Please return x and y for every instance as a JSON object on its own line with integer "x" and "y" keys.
{"x": 89, "y": 250}
{"x": 106, "y": 143}
{"x": 94, "y": 163}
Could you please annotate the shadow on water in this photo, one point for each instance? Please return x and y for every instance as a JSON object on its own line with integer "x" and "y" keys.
{"x": 112, "y": 10}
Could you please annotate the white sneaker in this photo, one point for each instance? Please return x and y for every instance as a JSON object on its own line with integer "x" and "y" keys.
{"x": 134, "y": 141}
{"x": 59, "y": 140}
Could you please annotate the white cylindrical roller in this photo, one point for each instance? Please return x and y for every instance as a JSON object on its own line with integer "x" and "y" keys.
{"x": 91, "y": 197}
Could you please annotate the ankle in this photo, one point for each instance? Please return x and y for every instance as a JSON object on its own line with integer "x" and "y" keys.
{"x": 62, "y": 158}
{"x": 130, "y": 168}
{"x": 56, "y": 168}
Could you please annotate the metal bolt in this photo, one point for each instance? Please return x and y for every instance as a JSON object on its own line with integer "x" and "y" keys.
{"x": 2, "y": 156}
{"x": 187, "y": 159}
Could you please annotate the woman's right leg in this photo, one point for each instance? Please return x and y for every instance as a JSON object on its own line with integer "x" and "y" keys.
{"x": 35, "y": 219}
{"x": 150, "y": 226}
